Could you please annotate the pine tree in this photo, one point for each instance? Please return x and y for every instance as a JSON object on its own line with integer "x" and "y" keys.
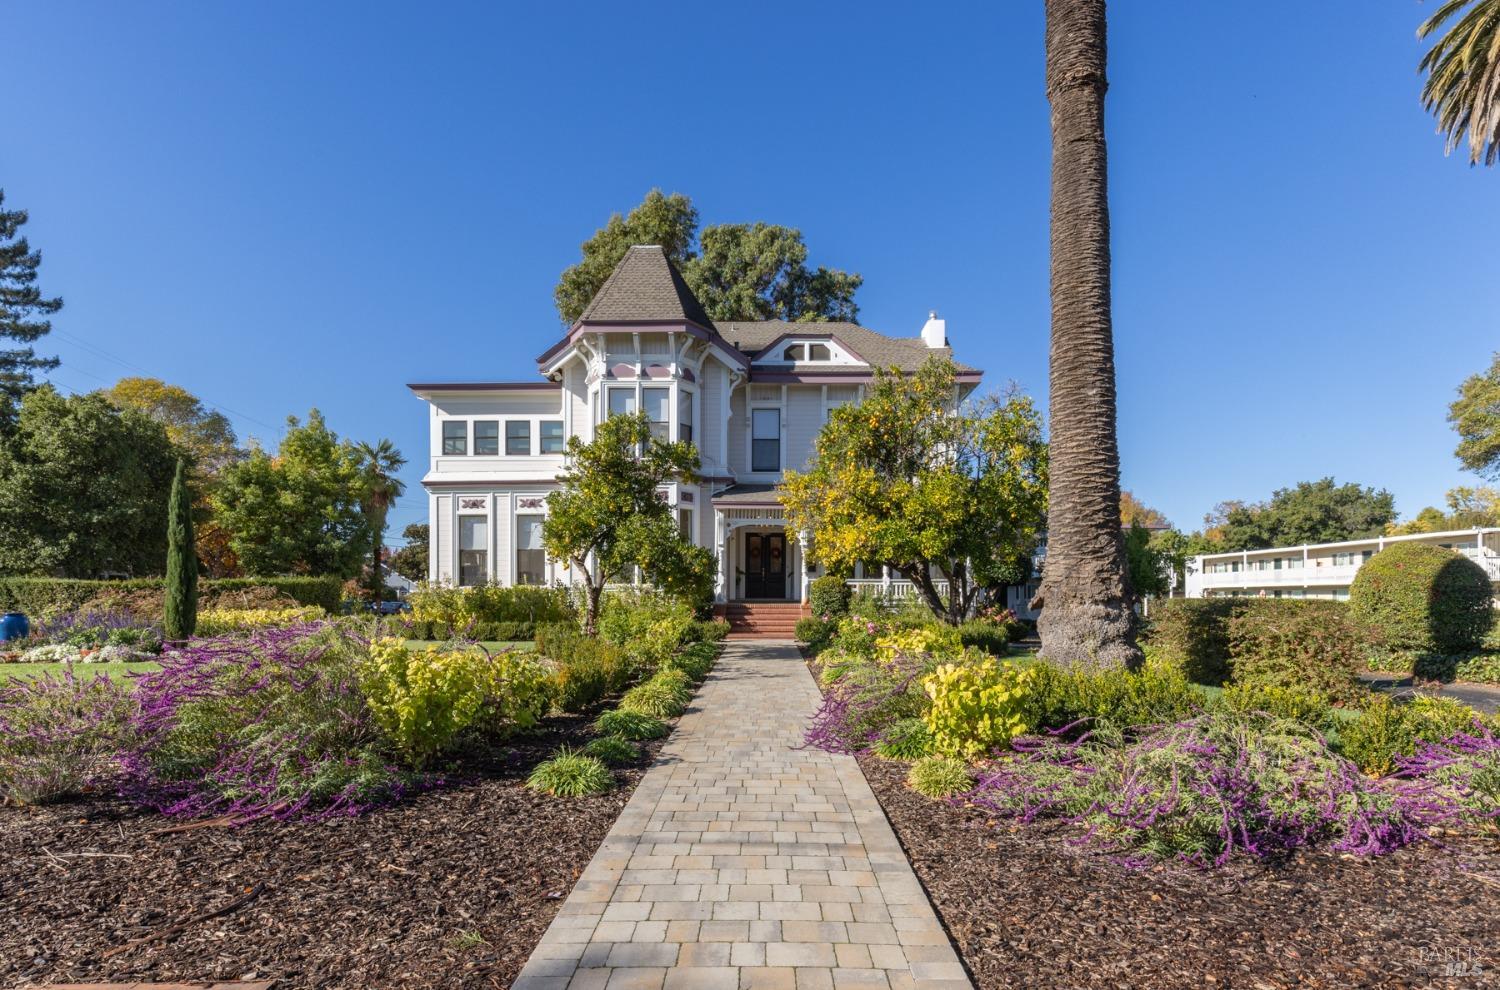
{"x": 21, "y": 303}
{"x": 180, "y": 616}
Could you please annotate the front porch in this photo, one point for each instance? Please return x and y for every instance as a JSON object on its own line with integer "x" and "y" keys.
{"x": 759, "y": 559}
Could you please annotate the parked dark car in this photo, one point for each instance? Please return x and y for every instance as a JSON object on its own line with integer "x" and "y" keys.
{"x": 390, "y": 607}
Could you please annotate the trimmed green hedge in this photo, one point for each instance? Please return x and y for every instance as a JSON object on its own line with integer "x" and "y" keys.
{"x": 40, "y": 596}
{"x": 502, "y": 632}
{"x": 1192, "y": 635}
{"x": 1423, "y": 597}
{"x": 991, "y": 637}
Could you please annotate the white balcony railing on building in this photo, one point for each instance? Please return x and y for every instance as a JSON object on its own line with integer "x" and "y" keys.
{"x": 1313, "y": 576}
{"x": 895, "y": 589}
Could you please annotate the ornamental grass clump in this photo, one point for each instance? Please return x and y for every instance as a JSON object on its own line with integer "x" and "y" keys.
{"x": 630, "y": 725}
{"x": 665, "y": 695}
{"x": 570, "y": 774}
{"x": 1200, "y": 791}
{"x": 939, "y": 777}
{"x": 906, "y": 739}
{"x": 274, "y": 724}
{"x": 612, "y": 749}
{"x": 61, "y": 736}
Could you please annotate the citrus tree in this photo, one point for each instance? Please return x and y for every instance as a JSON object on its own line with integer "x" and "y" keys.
{"x": 610, "y": 517}
{"x": 936, "y": 490}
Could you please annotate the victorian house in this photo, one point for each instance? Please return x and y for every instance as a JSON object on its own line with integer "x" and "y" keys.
{"x": 751, "y": 395}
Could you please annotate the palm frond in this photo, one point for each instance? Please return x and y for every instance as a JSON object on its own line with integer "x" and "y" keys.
{"x": 1463, "y": 76}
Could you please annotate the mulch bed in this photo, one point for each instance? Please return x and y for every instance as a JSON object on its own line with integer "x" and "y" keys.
{"x": 1027, "y": 908}
{"x": 450, "y": 889}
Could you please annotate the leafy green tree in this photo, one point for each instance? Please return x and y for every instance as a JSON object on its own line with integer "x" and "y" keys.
{"x": 301, "y": 511}
{"x": 1468, "y": 508}
{"x": 378, "y": 466}
{"x": 755, "y": 271}
{"x": 1309, "y": 512}
{"x": 1475, "y": 414}
{"x": 1463, "y": 75}
{"x": 1150, "y": 564}
{"x": 410, "y": 561}
{"x": 609, "y": 518}
{"x": 22, "y": 309}
{"x": 204, "y": 434}
{"x": 180, "y": 614}
{"x": 934, "y": 491}
{"x": 1133, "y": 510}
{"x": 83, "y": 488}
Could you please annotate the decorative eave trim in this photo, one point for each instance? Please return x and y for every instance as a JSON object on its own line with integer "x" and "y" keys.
{"x": 838, "y": 377}
{"x": 708, "y": 334}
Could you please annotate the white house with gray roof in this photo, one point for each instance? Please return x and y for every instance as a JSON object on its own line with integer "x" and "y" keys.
{"x": 751, "y": 395}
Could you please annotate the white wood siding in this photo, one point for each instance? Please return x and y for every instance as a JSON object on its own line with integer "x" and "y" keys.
{"x": 442, "y": 526}
{"x": 804, "y": 418}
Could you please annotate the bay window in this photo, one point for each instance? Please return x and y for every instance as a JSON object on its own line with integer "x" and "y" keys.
{"x": 621, "y": 401}
{"x": 658, "y": 404}
{"x": 685, "y": 417}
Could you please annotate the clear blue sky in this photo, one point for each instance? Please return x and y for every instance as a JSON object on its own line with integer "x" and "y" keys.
{"x": 287, "y": 205}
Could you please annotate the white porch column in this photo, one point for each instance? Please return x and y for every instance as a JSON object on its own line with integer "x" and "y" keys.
{"x": 804, "y": 538}
{"x": 721, "y": 581}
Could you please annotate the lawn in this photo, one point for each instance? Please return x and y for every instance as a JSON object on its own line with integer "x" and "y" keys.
{"x": 17, "y": 670}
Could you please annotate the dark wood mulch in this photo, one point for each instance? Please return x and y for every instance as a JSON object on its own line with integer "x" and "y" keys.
{"x": 451, "y": 889}
{"x": 1026, "y": 908}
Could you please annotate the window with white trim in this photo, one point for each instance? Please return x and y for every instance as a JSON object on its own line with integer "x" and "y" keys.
{"x": 518, "y": 437}
{"x": 765, "y": 440}
{"x": 621, "y": 401}
{"x": 486, "y": 437}
{"x": 455, "y": 436}
{"x": 658, "y": 406}
{"x": 685, "y": 524}
{"x": 531, "y": 559}
{"x": 473, "y": 550}
{"x": 552, "y": 439}
{"x": 685, "y": 416}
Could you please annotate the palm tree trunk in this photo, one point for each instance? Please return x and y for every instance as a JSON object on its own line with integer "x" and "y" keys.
{"x": 376, "y": 582}
{"x": 1086, "y": 616}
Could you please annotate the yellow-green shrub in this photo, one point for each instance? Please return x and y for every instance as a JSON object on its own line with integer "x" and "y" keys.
{"x": 938, "y": 640}
{"x": 224, "y": 621}
{"x": 423, "y": 699}
{"x": 976, "y": 706}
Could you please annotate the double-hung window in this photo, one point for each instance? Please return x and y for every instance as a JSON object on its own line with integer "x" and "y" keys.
{"x": 552, "y": 436}
{"x": 518, "y": 437}
{"x": 765, "y": 440}
{"x": 658, "y": 403}
{"x": 487, "y": 437}
{"x": 685, "y": 524}
{"x": 685, "y": 417}
{"x": 455, "y": 436}
{"x": 473, "y": 550}
{"x": 531, "y": 560}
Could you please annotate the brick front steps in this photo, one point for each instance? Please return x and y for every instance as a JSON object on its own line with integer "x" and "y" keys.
{"x": 762, "y": 620}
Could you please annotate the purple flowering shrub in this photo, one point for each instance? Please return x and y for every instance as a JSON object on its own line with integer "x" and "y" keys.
{"x": 273, "y": 724}
{"x": 93, "y": 628}
{"x": 1201, "y": 790}
{"x": 61, "y": 736}
{"x": 864, "y": 700}
{"x": 1456, "y": 781}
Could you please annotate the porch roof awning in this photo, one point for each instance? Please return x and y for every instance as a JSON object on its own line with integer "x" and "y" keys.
{"x": 747, "y": 496}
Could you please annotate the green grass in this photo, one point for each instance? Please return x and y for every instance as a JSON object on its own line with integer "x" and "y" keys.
{"x": 116, "y": 670}
{"x": 494, "y": 646}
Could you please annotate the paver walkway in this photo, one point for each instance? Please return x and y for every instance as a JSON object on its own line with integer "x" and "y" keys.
{"x": 741, "y": 862}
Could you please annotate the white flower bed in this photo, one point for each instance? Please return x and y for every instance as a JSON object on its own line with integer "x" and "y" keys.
{"x": 65, "y": 653}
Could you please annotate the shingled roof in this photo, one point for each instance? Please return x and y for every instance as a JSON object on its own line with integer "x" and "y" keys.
{"x": 645, "y": 285}
{"x": 875, "y": 349}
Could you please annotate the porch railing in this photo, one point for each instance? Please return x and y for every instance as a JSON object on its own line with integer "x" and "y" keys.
{"x": 895, "y": 589}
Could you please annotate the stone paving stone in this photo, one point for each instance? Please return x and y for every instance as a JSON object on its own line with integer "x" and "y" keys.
{"x": 744, "y": 862}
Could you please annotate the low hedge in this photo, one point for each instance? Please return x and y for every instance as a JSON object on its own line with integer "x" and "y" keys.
{"x": 458, "y": 608}
{"x": 502, "y": 632}
{"x": 1192, "y": 634}
{"x": 1295, "y": 643}
{"x": 38, "y": 596}
{"x": 1423, "y": 597}
{"x": 991, "y": 637}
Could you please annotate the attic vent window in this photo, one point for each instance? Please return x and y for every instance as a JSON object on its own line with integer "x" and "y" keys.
{"x": 807, "y": 352}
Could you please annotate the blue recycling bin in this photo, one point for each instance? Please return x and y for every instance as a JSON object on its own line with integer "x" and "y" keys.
{"x": 13, "y": 625}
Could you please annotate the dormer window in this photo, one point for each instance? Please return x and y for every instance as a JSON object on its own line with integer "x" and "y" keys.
{"x": 807, "y": 352}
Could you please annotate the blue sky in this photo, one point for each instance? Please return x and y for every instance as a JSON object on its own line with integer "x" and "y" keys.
{"x": 284, "y": 205}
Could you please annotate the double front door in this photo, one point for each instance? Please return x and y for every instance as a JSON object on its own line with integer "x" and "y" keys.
{"x": 765, "y": 565}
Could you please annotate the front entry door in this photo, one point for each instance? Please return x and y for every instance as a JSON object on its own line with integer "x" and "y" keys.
{"x": 765, "y": 565}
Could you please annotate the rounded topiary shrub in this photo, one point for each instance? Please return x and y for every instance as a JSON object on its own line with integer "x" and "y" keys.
{"x": 1423, "y": 597}
{"x": 828, "y": 597}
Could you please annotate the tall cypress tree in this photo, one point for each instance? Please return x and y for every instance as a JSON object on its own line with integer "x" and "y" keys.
{"x": 21, "y": 304}
{"x": 180, "y": 616}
